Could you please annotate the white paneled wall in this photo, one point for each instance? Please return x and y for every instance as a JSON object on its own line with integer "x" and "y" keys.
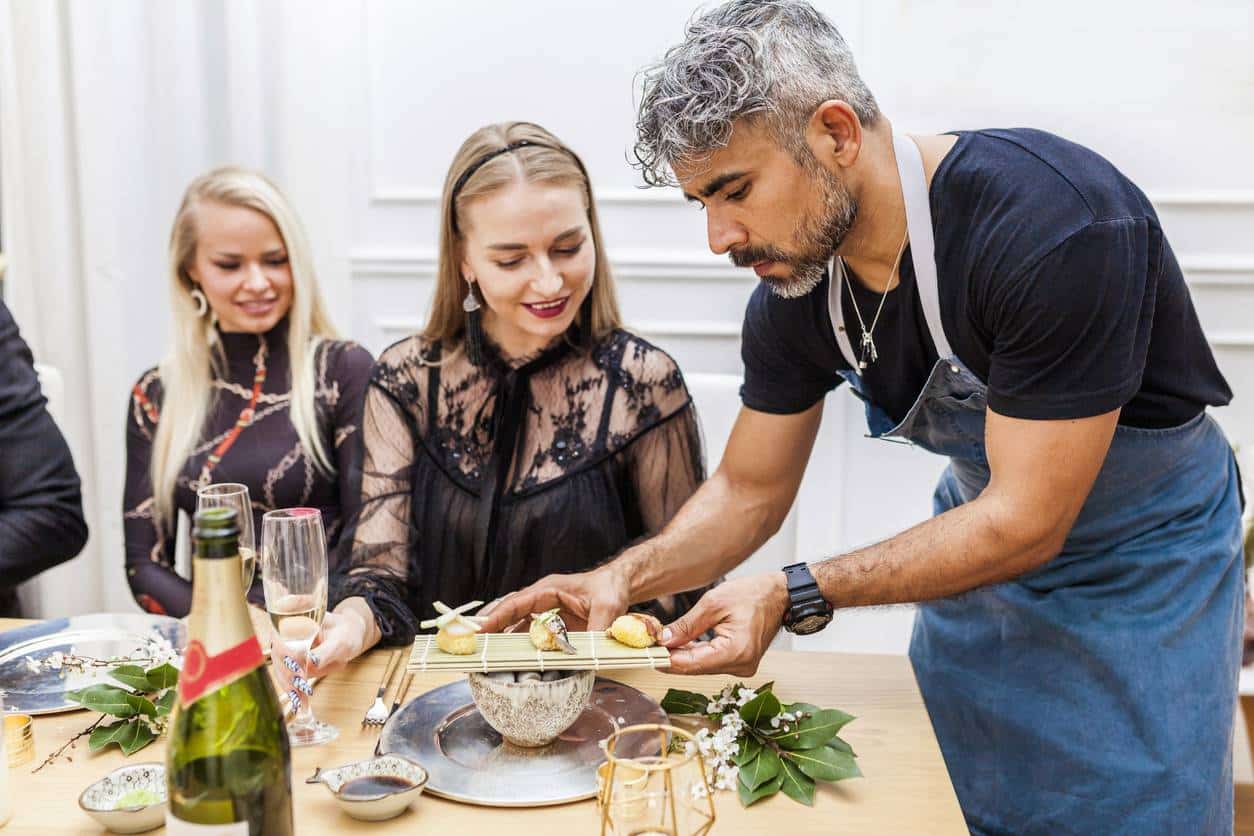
{"x": 357, "y": 107}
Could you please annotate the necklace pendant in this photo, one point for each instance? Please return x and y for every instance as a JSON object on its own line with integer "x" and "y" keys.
{"x": 869, "y": 354}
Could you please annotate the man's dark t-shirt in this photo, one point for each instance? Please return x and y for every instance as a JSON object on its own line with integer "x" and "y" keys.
{"x": 1058, "y": 289}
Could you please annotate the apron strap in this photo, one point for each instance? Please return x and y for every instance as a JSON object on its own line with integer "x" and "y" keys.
{"x": 922, "y": 246}
{"x": 922, "y": 253}
{"x": 835, "y": 309}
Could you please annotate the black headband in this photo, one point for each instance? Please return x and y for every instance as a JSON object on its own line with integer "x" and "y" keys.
{"x": 492, "y": 155}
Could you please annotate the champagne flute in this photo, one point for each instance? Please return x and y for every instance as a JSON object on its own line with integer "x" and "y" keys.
{"x": 234, "y": 495}
{"x": 294, "y": 577}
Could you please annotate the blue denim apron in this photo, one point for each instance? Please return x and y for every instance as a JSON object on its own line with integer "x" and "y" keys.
{"x": 1095, "y": 694}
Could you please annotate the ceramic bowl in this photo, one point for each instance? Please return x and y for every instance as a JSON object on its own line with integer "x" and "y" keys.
{"x": 101, "y": 798}
{"x": 377, "y": 806}
{"x": 531, "y": 714}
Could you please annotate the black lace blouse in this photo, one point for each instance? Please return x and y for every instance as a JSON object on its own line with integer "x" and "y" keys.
{"x": 479, "y": 480}
{"x": 265, "y": 454}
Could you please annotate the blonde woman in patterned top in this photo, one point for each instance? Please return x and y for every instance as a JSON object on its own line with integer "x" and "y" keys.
{"x": 255, "y": 388}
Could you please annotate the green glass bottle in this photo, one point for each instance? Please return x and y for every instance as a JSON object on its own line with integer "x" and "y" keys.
{"x": 228, "y": 766}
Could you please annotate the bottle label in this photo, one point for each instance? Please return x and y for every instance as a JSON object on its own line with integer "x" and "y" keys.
{"x": 177, "y": 827}
{"x": 203, "y": 674}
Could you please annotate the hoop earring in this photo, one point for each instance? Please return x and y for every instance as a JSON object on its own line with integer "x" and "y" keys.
{"x": 474, "y": 325}
{"x": 202, "y": 304}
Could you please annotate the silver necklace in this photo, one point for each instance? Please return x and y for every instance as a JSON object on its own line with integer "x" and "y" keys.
{"x": 867, "y": 351}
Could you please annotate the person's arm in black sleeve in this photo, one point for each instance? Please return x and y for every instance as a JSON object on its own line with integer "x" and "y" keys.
{"x": 352, "y": 376}
{"x": 41, "y": 503}
{"x": 149, "y": 542}
{"x": 376, "y": 576}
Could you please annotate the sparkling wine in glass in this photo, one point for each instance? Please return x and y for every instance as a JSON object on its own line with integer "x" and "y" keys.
{"x": 294, "y": 577}
{"x": 234, "y": 495}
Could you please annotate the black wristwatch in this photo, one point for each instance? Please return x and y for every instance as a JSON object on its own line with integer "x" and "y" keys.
{"x": 808, "y": 611}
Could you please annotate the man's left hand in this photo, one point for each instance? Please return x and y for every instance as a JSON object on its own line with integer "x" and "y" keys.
{"x": 744, "y": 614}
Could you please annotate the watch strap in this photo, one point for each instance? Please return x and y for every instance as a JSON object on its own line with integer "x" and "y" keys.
{"x": 803, "y": 591}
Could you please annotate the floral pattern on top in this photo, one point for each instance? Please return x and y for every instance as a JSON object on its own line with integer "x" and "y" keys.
{"x": 480, "y": 479}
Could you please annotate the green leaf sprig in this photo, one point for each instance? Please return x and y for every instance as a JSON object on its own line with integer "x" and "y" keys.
{"x": 142, "y": 707}
{"x": 768, "y": 746}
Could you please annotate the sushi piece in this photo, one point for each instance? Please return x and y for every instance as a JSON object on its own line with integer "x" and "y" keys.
{"x": 456, "y": 630}
{"x": 635, "y": 629}
{"x": 548, "y": 632}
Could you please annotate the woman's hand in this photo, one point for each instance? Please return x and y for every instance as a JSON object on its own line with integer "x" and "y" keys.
{"x": 344, "y": 637}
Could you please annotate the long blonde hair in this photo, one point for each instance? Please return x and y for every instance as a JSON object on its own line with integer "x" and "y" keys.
{"x": 196, "y": 353}
{"x": 534, "y": 163}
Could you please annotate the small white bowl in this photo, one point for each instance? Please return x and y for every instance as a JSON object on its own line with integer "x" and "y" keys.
{"x": 377, "y": 806}
{"x": 99, "y": 799}
{"x": 531, "y": 714}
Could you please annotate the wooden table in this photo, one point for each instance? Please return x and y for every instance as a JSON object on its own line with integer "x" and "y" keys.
{"x": 906, "y": 787}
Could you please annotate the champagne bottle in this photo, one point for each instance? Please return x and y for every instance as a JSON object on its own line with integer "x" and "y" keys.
{"x": 228, "y": 766}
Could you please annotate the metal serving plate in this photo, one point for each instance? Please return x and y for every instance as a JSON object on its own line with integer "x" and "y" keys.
{"x": 100, "y": 635}
{"x": 468, "y": 761}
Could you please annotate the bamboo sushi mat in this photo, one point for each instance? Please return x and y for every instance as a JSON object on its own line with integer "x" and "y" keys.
{"x": 515, "y": 652}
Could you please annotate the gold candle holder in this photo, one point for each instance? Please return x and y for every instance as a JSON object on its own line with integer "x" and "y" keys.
{"x": 646, "y": 789}
{"x": 19, "y": 738}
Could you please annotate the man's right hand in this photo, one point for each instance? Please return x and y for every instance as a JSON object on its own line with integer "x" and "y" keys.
{"x": 588, "y": 600}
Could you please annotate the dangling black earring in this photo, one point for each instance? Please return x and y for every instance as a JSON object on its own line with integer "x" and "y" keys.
{"x": 474, "y": 326}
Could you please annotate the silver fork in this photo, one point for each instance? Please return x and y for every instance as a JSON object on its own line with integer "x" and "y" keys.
{"x": 396, "y": 703}
{"x": 377, "y": 714}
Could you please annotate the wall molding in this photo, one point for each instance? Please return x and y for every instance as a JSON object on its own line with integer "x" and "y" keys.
{"x": 410, "y": 196}
{"x": 1219, "y": 270}
{"x": 1240, "y": 339}
{"x": 629, "y": 265}
{"x": 1218, "y": 263}
{"x": 1221, "y": 198}
{"x": 403, "y": 196}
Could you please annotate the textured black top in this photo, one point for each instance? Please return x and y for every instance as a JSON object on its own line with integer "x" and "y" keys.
{"x": 1058, "y": 289}
{"x": 41, "y": 503}
{"x": 479, "y": 480}
{"x": 267, "y": 455}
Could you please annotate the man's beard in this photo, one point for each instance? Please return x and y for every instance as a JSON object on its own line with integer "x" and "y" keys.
{"x": 818, "y": 237}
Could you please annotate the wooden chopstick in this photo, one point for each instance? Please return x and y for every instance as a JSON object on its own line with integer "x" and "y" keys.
{"x": 390, "y": 671}
{"x": 401, "y": 692}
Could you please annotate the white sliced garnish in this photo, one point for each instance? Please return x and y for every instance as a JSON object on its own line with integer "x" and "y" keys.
{"x": 450, "y": 615}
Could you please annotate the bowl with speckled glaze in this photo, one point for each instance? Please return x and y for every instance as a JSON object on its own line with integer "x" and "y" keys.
{"x": 130, "y": 799}
{"x": 532, "y": 713}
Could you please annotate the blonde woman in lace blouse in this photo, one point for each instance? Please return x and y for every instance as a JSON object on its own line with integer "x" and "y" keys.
{"x": 529, "y": 436}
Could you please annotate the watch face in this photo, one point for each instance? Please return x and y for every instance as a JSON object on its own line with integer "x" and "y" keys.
{"x": 810, "y": 624}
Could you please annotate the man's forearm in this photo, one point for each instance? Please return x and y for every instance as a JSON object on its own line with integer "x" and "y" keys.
{"x": 980, "y": 543}
{"x": 720, "y": 526}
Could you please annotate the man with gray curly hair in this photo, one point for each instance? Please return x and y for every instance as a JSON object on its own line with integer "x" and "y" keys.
{"x": 1004, "y": 298}
{"x": 762, "y": 65}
